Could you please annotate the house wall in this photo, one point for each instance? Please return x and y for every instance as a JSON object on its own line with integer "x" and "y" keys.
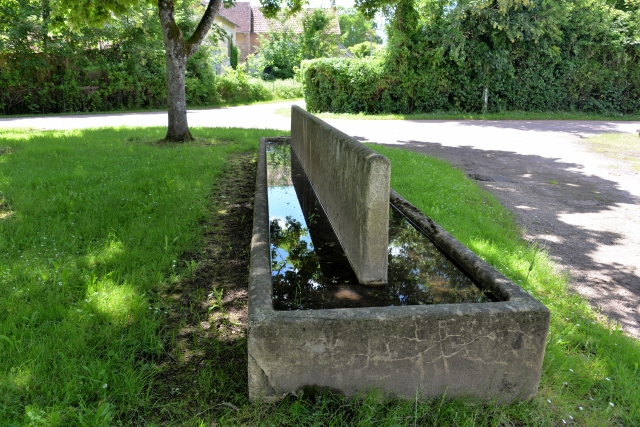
{"x": 244, "y": 44}
{"x": 223, "y": 45}
{"x": 255, "y": 42}
{"x": 231, "y": 32}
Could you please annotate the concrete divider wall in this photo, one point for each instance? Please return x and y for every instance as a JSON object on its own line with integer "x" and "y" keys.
{"x": 352, "y": 184}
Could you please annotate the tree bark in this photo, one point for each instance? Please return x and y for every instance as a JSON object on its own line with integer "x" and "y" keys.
{"x": 177, "y": 51}
{"x": 178, "y": 127}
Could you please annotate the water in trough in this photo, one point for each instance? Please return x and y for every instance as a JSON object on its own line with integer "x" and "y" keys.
{"x": 310, "y": 270}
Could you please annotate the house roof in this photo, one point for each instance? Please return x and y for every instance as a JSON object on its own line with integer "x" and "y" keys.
{"x": 240, "y": 14}
{"x": 250, "y": 19}
{"x": 294, "y": 22}
{"x": 224, "y": 18}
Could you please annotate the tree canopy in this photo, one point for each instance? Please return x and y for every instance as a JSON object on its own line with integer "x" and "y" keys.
{"x": 282, "y": 50}
{"x": 356, "y": 28}
{"x": 76, "y": 15}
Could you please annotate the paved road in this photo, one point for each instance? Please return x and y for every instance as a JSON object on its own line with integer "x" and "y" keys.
{"x": 261, "y": 116}
{"x": 582, "y": 206}
{"x": 589, "y": 219}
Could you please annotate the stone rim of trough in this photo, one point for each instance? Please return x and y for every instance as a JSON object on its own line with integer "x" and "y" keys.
{"x": 512, "y": 298}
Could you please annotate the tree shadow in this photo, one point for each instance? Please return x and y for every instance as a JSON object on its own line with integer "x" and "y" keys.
{"x": 204, "y": 369}
{"x": 547, "y": 195}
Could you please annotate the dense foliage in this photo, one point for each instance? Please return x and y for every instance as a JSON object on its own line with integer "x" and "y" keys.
{"x": 344, "y": 85}
{"x": 280, "y": 53}
{"x": 364, "y": 49}
{"x": 68, "y": 71}
{"x": 120, "y": 65}
{"x": 355, "y": 28}
{"x": 47, "y": 69}
{"x": 282, "y": 49}
{"x": 531, "y": 56}
{"x": 317, "y": 39}
{"x": 233, "y": 57}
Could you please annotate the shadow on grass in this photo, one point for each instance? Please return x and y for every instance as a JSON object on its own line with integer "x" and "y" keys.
{"x": 96, "y": 218}
{"x": 203, "y": 373}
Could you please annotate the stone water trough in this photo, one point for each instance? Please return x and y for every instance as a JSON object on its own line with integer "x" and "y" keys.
{"x": 488, "y": 349}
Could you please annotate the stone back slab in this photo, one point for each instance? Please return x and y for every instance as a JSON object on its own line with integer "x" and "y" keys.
{"x": 352, "y": 183}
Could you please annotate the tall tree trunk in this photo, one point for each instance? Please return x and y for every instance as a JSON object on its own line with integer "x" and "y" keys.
{"x": 177, "y": 51}
{"x": 178, "y": 129}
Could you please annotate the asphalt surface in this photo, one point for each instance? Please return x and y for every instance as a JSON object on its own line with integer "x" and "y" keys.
{"x": 589, "y": 219}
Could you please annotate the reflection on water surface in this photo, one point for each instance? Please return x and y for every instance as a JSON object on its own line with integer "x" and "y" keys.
{"x": 310, "y": 270}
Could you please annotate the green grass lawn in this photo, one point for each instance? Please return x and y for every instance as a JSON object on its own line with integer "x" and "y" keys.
{"x": 92, "y": 223}
{"x": 93, "y": 227}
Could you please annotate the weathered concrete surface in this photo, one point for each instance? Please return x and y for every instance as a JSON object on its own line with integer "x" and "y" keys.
{"x": 352, "y": 184}
{"x": 488, "y": 350}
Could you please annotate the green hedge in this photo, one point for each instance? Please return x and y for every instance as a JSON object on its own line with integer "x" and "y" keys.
{"x": 32, "y": 84}
{"x": 121, "y": 90}
{"x": 579, "y": 56}
{"x": 343, "y": 85}
{"x": 45, "y": 73}
{"x": 237, "y": 87}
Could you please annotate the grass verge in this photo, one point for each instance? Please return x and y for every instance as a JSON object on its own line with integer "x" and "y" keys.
{"x": 621, "y": 146}
{"x": 123, "y": 284}
{"x": 509, "y": 115}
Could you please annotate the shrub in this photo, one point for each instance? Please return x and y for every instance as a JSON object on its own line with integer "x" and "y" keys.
{"x": 365, "y": 49}
{"x": 344, "y": 85}
{"x": 236, "y": 87}
{"x": 233, "y": 59}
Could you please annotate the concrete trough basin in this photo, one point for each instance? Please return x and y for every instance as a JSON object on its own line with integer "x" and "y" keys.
{"x": 489, "y": 350}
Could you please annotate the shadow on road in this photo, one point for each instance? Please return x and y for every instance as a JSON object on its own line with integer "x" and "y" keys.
{"x": 543, "y": 192}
